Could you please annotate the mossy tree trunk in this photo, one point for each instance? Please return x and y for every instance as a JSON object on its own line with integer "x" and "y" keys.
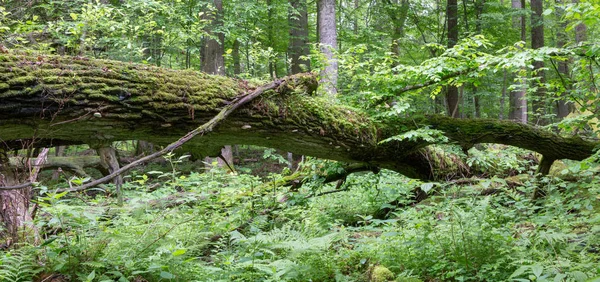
{"x": 64, "y": 100}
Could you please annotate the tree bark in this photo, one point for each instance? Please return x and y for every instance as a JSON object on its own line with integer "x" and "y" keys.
{"x": 64, "y": 100}
{"x": 75, "y": 164}
{"x": 517, "y": 110}
{"x": 580, "y": 30}
{"x": 14, "y": 204}
{"x": 144, "y": 148}
{"x": 328, "y": 39}
{"x": 298, "y": 47}
{"x": 235, "y": 54}
{"x": 398, "y": 16}
{"x": 563, "y": 108}
{"x": 110, "y": 162}
{"x": 212, "y": 55}
{"x": 537, "y": 41}
{"x": 452, "y": 97}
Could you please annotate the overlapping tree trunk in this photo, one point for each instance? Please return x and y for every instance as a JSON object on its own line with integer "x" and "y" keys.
{"x": 66, "y": 100}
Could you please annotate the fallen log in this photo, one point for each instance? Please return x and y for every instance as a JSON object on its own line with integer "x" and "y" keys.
{"x": 71, "y": 100}
{"x": 75, "y": 164}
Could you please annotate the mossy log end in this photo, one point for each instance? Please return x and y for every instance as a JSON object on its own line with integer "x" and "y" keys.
{"x": 68, "y": 100}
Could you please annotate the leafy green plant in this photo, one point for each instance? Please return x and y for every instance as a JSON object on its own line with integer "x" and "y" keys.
{"x": 19, "y": 265}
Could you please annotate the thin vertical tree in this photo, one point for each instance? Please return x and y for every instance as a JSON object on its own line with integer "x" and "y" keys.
{"x": 214, "y": 63}
{"x": 537, "y": 41}
{"x": 563, "y": 108}
{"x": 398, "y": 12}
{"x": 328, "y": 39}
{"x": 517, "y": 99}
{"x": 212, "y": 51}
{"x": 298, "y": 48}
{"x": 580, "y": 30}
{"x": 452, "y": 97}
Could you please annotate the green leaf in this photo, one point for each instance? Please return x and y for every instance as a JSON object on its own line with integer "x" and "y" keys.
{"x": 47, "y": 242}
{"x": 537, "y": 270}
{"x": 426, "y": 187}
{"x": 579, "y": 276}
{"x": 178, "y": 252}
{"x": 560, "y": 277}
{"x": 519, "y": 271}
{"x": 166, "y": 275}
{"x": 73, "y": 16}
{"x": 91, "y": 276}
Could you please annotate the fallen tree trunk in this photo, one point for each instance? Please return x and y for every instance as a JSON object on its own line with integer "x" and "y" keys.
{"x": 71, "y": 100}
{"x": 75, "y": 164}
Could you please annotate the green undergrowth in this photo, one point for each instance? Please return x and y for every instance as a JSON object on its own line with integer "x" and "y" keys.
{"x": 215, "y": 226}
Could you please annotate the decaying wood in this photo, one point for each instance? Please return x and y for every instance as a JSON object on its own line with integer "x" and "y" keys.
{"x": 71, "y": 100}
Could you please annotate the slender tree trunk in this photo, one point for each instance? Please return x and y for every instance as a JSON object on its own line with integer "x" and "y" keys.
{"x": 235, "y": 54}
{"x": 214, "y": 62}
{"x": 59, "y": 151}
{"x": 479, "y": 6}
{"x": 290, "y": 159}
{"x": 110, "y": 162}
{"x": 517, "y": 100}
{"x": 328, "y": 40}
{"x": 298, "y": 47}
{"x": 355, "y": 21}
{"x": 144, "y": 148}
{"x": 479, "y": 9}
{"x": 271, "y": 65}
{"x": 398, "y": 19}
{"x": 503, "y": 97}
{"x": 580, "y": 30}
{"x": 213, "y": 49}
{"x": 452, "y": 97}
{"x": 563, "y": 108}
{"x": 537, "y": 41}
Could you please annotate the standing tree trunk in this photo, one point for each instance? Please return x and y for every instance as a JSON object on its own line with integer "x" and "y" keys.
{"x": 298, "y": 47}
{"x": 452, "y": 97}
{"x": 110, "y": 162}
{"x": 235, "y": 54}
{"x": 537, "y": 41}
{"x": 214, "y": 62}
{"x": 479, "y": 6}
{"x": 328, "y": 40}
{"x": 563, "y": 108}
{"x": 398, "y": 16}
{"x": 14, "y": 210}
{"x": 143, "y": 148}
{"x": 59, "y": 151}
{"x": 212, "y": 53}
{"x": 272, "y": 60}
{"x": 580, "y": 30}
{"x": 517, "y": 101}
{"x": 503, "y": 97}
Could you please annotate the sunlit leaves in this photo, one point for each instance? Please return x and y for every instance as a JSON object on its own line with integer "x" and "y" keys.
{"x": 421, "y": 134}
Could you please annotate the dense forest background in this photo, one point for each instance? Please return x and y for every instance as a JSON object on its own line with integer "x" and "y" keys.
{"x": 453, "y": 82}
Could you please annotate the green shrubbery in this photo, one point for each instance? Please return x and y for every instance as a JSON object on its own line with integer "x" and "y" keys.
{"x": 220, "y": 227}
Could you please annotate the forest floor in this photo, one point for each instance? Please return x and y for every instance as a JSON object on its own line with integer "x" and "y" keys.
{"x": 212, "y": 225}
